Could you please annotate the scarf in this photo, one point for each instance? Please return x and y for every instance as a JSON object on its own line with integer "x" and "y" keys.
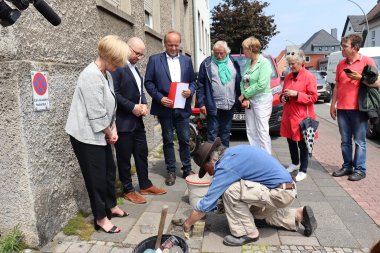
{"x": 223, "y": 71}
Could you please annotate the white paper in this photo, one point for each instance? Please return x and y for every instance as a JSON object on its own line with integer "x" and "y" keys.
{"x": 180, "y": 101}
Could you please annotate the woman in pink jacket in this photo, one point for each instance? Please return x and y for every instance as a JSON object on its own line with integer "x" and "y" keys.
{"x": 299, "y": 93}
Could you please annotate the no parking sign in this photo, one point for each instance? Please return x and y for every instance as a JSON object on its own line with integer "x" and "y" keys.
{"x": 40, "y": 90}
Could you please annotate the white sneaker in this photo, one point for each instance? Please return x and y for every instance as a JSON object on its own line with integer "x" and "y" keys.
{"x": 301, "y": 176}
{"x": 292, "y": 167}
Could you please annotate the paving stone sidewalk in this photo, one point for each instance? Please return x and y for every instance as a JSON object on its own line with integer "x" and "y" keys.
{"x": 343, "y": 226}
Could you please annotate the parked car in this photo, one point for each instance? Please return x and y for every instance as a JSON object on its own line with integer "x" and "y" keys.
{"x": 238, "y": 121}
{"x": 323, "y": 87}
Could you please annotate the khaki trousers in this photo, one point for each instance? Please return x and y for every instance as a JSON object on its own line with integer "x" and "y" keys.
{"x": 245, "y": 200}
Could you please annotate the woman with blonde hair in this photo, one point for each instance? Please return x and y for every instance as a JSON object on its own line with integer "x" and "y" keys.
{"x": 92, "y": 130}
{"x": 256, "y": 95}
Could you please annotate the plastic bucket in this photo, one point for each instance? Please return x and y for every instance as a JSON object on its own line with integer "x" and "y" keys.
{"x": 150, "y": 243}
{"x": 198, "y": 187}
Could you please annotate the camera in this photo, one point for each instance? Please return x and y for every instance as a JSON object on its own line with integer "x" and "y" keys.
{"x": 11, "y": 11}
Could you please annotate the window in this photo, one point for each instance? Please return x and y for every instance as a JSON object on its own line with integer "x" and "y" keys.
{"x": 373, "y": 43}
{"x": 320, "y": 48}
{"x": 326, "y": 48}
{"x": 332, "y": 48}
{"x": 373, "y": 35}
{"x": 148, "y": 19}
{"x": 117, "y": 7}
{"x": 199, "y": 31}
{"x": 307, "y": 58}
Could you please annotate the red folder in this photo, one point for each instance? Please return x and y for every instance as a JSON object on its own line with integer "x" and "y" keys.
{"x": 175, "y": 95}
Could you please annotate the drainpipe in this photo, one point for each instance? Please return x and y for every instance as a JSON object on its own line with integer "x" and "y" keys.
{"x": 196, "y": 35}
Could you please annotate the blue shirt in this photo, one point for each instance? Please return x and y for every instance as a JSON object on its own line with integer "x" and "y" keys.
{"x": 243, "y": 162}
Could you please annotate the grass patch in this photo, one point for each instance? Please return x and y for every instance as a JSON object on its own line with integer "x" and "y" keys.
{"x": 78, "y": 226}
{"x": 12, "y": 242}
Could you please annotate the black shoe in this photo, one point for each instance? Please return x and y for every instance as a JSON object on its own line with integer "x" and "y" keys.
{"x": 187, "y": 173}
{"x": 309, "y": 222}
{"x": 170, "y": 179}
{"x": 342, "y": 172}
{"x": 231, "y": 240}
{"x": 356, "y": 176}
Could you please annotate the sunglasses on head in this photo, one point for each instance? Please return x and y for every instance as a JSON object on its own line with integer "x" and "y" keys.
{"x": 290, "y": 53}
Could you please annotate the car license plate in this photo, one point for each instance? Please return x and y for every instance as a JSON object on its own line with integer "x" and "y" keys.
{"x": 239, "y": 116}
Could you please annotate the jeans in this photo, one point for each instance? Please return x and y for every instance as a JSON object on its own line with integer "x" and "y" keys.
{"x": 353, "y": 123}
{"x": 220, "y": 123}
{"x": 181, "y": 126}
{"x": 302, "y": 156}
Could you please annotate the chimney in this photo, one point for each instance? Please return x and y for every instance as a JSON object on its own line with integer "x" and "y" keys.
{"x": 334, "y": 32}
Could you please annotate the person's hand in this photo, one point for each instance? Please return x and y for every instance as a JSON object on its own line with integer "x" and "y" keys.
{"x": 137, "y": 111}
{"x": 333, "y": 111}
{"x": 246, "y": 104}
{"x": 186, "y": 93}
{"x": 354, "y": 75}
{"x": 241, "y": 98}
{"x": 203, "y": 110}
{"x": 166, "y": 102}
{"x": 144, "y": 110}
{"x": 112, "y": 136}
{"x": 290, "y": 93}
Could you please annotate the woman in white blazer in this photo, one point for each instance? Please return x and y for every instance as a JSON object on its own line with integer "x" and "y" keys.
{"x": 92, "y": 129}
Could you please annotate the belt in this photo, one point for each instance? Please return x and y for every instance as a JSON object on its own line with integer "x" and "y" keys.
{"x": 287, "y": 186}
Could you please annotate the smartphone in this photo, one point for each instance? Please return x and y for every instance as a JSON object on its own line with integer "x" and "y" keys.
{"x": 347, "y": 71}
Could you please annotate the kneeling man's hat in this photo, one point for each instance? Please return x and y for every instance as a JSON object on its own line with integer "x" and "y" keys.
{"x": 203, "y": 153}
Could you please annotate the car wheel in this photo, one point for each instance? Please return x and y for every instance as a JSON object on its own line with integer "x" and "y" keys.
{"x": 371, "y": 131}
{"x": 327, "y": 98}
{"x": 194, "y": 140}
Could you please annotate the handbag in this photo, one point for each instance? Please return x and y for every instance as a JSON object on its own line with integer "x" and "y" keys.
{"x": 309, "y": 128}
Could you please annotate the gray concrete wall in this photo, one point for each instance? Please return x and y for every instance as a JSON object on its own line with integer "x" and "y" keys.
{"x": 41, "y": 186}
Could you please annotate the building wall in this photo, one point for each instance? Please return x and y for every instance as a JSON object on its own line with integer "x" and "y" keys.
{"x": 373, "y": 41}
{"x": 202, "y": 42}
{"x": 42, "y": 186}
{"x": 314, "y": 59}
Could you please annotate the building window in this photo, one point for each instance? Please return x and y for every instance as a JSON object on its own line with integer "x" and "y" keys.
{"x": 122, "y": 5}
{"x": 320, "y": 48}
{"x": 148, "y": 7}
{"x": 326, "y": 48}
{"x": 199, "y": 31}
{"x": 373, "y": 43}
{"x": 148, "y": 19}
{"x": 307, "y": 58}
{"x": 373, "y": 35}
{"x": 332, "y": 48}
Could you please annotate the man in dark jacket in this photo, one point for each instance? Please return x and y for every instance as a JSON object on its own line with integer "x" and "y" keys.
{"x": 218, "y": 91}
{"x": 131, "y": 107}
{"x": 162, "y": 70}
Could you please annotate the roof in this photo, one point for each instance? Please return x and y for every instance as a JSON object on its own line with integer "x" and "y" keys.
{"x": 280, "y": 56}
{"x": 320, "y": 38}
{"x": 374, "y": 13}
{"x": 357, "y": 22}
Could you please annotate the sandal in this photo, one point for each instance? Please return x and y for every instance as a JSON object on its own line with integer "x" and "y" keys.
{"x": 125, "y": 214}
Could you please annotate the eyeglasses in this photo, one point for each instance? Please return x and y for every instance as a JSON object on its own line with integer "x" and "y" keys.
{"x": 139, "y": 55}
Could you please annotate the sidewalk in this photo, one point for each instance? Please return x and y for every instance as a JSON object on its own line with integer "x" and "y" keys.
{"x": 343, "y": 210}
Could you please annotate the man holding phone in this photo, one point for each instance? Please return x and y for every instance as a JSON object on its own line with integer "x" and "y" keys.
{"x": 345, "y": 108}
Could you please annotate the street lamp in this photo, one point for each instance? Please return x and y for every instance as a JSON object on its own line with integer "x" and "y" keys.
{"x": 366, "y": 20}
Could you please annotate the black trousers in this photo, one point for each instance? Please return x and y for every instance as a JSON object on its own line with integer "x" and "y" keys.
{"x": 299, "y": 153}
{"x": 99, "y": 172}
{"x": 133, "y": 143}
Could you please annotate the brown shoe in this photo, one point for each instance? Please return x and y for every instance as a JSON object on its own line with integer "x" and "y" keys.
{"x": 135, "y": 198}
{"x": 153, "y": 190}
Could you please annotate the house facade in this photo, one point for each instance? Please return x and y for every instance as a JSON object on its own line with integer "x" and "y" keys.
{"x": 318, "y": 46}
{"x": 373, "y": 17}
{"x": 42, "y": 186}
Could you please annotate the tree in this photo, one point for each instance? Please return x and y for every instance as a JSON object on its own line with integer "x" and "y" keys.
{"x": 235, "y": 20}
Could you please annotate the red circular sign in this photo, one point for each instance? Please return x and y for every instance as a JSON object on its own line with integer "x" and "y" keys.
{"x": 40, "y": 84}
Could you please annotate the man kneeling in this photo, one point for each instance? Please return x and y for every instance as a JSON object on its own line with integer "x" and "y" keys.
{"x": 254, "y": 185}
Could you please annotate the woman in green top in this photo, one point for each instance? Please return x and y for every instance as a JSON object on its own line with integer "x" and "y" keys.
{"x": 256, "y": 95}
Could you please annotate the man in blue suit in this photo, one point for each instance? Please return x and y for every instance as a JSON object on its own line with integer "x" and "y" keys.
{"x": 131, "y": 107}
{"x": 163, "y": 69}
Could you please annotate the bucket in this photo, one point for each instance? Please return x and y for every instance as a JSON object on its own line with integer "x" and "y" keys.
{"x": 198, "y": 187}
{"x": 150, "y": 243}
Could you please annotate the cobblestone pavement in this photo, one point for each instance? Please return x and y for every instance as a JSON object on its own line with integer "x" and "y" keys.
{"x": 345, "y": 220}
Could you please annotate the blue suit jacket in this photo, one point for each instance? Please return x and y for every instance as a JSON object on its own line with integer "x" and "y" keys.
{"x": 127, "y": 96}
{"x": 157, "y": 83}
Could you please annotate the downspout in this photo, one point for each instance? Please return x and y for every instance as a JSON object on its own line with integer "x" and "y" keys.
{"x": 196, "y": 35}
